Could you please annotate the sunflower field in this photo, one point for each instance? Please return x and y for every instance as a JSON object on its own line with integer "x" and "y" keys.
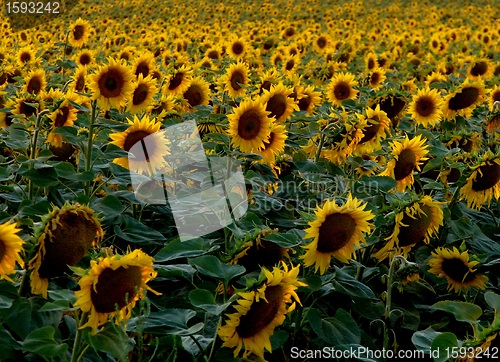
{"x": 362, "y": 142}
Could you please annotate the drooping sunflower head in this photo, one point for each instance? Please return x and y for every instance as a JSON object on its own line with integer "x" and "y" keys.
{"x": 35, "y": 82}
{"x": 11, "y": 247}
{"x": 337, "y": 231}
{"x": 79, "y": 32}
{"x": 236, "y": 80}
{"x": 142, "y": 95}
{"x": 64, "y": 238}
{"x": 249, "y": 126}
{"x": 79, "y": 79}
{"x": 426, "y": 107}
{"x": 463, "y": 101}
{"x": 416, "y": 223}
{"x": 26, "y": 105}
{"x": 113, "y": 286}
{"x": 341, "y": 87}
{"x": 407, "y": 157}
{"x": 480, "y": 68}
{"x": 483, "y": 184}
{"x": 145, "y": 143}
{"x": 392, "y": 104}
{"x": 112, "y": 84}
{"x": 278, "y": 103}
{"x": 258, "y": 312}
{"x": 457, "y": 268}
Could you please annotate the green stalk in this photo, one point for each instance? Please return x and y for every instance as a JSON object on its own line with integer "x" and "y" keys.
{"x": 77, "y": 353}
{"x": 33, "y": 150}
{"x": 88, "y": 156}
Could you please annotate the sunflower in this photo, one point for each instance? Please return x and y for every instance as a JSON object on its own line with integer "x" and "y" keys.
{"x": 344, "y": 144}
{"x": 249, "y": 126}
{"x": 322, "y": 43}
{"x": 278, "y": 103}
{"x": 143, "y": 64}
{"x": 78, "y": 83}
{"x": 64, "y": 238}
{"x": 206, "y": 126}
{"x": 341, "y": 88}
{"x": 370, "y": 61}
{"x": 179, "y": 82}
{"x": 85, "y": 58}
{"x": 236, "y": 80}
{"x": 28, "y": 105}
{"x": 237, "y": 48}
{"x": 11, "y": 246}
{"x": 484, "y": 182}
{"x": 426, "y": 107}
{"x": 392, "y": 104}
{"x": 26, "y": 55}
{"x": 151, "y": 158}
{"x": 377, "y": 78}
{"x": 463, "y": 101}
{"x": 112, "y": 84}
{"x": 143, "y": 91}
{"x": 457, "y": 268}
{"x": 79, "y": 32}
{"x": 308, "y": 99}
{"x": 375, "y": 125}
{"x": 257, "y": 252}
{"x": 480, "y": 68}
{"x": 35, "y": 82}
{"x": 161, "y": 107}
{"x": 407, "y": 156}
{"x": 113, "y": 286}
{"x": 62, "y": 116}
{"x": 198, "y": 93}
{"x": 275, "y": 145}
{"x": 416, "y": 223}
{"x": 260, "y": 311}
{"x": 336, "y": 231}
{"x": 494, "y": 96}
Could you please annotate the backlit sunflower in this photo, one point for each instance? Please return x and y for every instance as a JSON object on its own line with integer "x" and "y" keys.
{"x": 278, "y": 103}
{"x": 11, "y": 246}
{"x": 249, "y": 126}
{"x": 178, "y": 82}
{"x": 375, "y": 126}
{"x": 275, "y": 145}
{"x": 463, "y": 101}
{"x": 337, "y": 231}
{"x": 148, "y": 158}
{"x": 236, "y": 80}
{"x": 198, "y": 93}
{"x": 112, "y": 84}
{"x": 483, "y": 184}
{"x": 308, "y": 99}
{"x": 457, "y": 268}
{"x": 35, "y": 82}
{"x": 64, "y": 238}
{"x": 426, "y": 107}
{"x": 63, "y": 116}
{"x": 416, "y": 223}
{"x": 79, "y": 32}
{"x": 407, "y": 157}
{"x": 206, "y": 126}
{"x": 260, "y": 311}
{"x": 341, "y": 87}
{"x": 142, "y": 94}
{"x": 113, "y": 286}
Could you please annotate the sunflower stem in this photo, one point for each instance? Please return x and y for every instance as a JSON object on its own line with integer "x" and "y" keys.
{"x": 320, "y": 146}
{"x": 88, "y": 158}
{"x": 388, "y": 298}
{"x": 33, "y": 150}
{"x": 215, "y": 339}
{"x": 77, "y": 354}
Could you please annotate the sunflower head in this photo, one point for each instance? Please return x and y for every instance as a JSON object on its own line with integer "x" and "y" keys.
{"x": 278, "y": 102}
{"x": 341, "y": 87}
{"x": 79, "y": 32}
{"x": 11, "y": 247}
{"x": 64, "y": 238}
{"x": 113, "y": 286}
{"x": 463, "y": 101}
{"x": 426, "y": 107}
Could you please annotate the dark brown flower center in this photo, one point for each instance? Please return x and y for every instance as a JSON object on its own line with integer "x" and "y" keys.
{"x": 342, "y": 90}
{"x": 25, "y": 57}
{"x": 371, "y": 130}
{"x": 140, "y": 94}
{"x": 290, "y": 64}
{"x": 27, "y": 109}
{"x": 237, "y": 48}
{"x": 34, "y": 85}
{"x": 425, "y": 106}
{"x": 335, "y": 232}
{"x": 80, "y": 83}
{"x": 115, "y": 288}
{"x": 466, "y": 98}
{"x": 375, "y": 78}
{"x": 479, "y": 68}
{"x": 62, "y": 116}
{"x": 237, "y": 78}
{"x": 194, "y": 95}
{"x": 456, "y": 270}
{"x": 371, "y": 63}
{"x": 213, "y": 54}
{"x": 111, "y": 83}
{"x": 276, "y": 105}
{"x": 176, "y": 81}
{"x": 85, "y": 59}
{"x": 321, "y": 42}
{"x": 405, "y": 164}
{"x": 261, "y": 313}
{"x": 266, "y": 85}
{"x": 138, "y": 136}
{"x": 392, "y": 106}
{"x": 78, "y": 32}
{"x": 69, "y": 242}
{"x": 266, "y": 254}
{"x": 488, "y": 177}
{"x": 3, "y": 249}
{"x": 249, "y": 125}
{"x": 304, "y": 102}
{"x": 142, "y": 68}
{"x": 417, "y": 228}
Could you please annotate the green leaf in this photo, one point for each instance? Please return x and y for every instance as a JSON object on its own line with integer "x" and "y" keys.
{"x": 493, "y": 300}
{"x": 346, "y": 284}
{"x": 422, "y": 340}
{"x": 169, "y": 321}
{"x": 42, "y": 176}
{"x": 443, "y": 343}
{"x": 111, "y": 339}
{"x": 204, "y": 299}
{"x": 211, "y": 266}
{"x": 7, "y": 345}
{"x": 177, "y": 249}
{"x": 41, "y": 342}
{"x": 108, "y": 207}
{"x": 136, "y": 232}
{"x": 369, "y": 185}
{"x": 288, "y": 240}
{"x": 341, "y": 329}
{"x": 463, "y": 311}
